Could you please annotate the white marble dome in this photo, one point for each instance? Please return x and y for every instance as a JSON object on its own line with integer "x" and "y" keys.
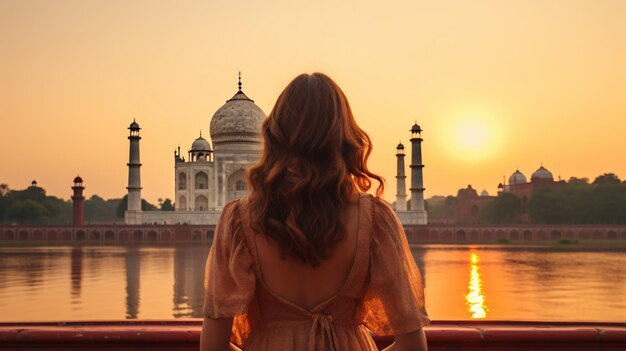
{"x": 484, "y": 193}
{"x": 239, "y": 120}
{"x": 200, "y": 144}
{"x": 517, "y": 178}
{"x": 542, "y": 173}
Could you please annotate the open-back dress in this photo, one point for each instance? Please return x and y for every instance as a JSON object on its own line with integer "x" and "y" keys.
{"x": 383, "y": 292}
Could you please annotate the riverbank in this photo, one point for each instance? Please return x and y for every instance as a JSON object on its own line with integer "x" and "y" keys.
{"x": 432, "y": 233}
{"x": 562, "y": 244}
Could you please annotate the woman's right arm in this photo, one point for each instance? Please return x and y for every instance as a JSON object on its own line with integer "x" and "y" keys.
{"x": 414, "y": 341}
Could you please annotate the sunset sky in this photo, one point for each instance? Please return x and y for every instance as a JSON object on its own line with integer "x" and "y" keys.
{"x": 495, "y": 85}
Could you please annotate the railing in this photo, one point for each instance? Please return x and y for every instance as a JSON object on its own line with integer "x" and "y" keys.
{"x": 185, "y": 335}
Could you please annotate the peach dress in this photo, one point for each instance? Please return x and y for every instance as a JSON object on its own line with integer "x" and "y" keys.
{"x": 382, "y": 294}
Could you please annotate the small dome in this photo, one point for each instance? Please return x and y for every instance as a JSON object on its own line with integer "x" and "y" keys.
{"x": 517, "y": 178}
{"x": 78, "y": 179}
{"x": 542, "y": 173}
{"x": 134, "y": 125}
{"x": 416, "y": 128}
{"x": 484, "y": 193}
{"x": 400, "y": 147}
{"x": 238, "y": 120}
{"x": 200, "y": 144}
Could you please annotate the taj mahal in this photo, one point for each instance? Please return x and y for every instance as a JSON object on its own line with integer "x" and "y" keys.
{"x": 210, "y": 176}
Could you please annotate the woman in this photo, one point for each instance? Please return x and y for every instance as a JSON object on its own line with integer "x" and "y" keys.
{"x": 308, "y": 261}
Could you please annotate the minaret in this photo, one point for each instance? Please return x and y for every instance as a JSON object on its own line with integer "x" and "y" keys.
{"x": 77, "y": 201}
{"x": 401, "y": 180}
{"x": 134, "y": 169}
{"x": 417, "y": 179}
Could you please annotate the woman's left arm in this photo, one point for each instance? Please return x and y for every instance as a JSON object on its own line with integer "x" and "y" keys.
{"x": 215, "y": 335}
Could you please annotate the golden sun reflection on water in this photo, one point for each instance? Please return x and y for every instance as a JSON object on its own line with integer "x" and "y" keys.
{"x": 475, "y": 299}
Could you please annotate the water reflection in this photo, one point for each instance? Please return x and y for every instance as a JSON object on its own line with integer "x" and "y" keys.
{"x": 475, "y": 299}
{"x": 133, "y": 263}
{"x": 76, "y": 273}
{"x": 160, "y": 282}
{"x": 188, "y": 282}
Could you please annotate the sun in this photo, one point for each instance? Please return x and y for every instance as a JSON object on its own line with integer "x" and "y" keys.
{"x": 473, "y": 138}
{"x": 472, "y": 135}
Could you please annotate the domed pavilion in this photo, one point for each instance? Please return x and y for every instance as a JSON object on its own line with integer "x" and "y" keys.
{"x": 213, "y": 175}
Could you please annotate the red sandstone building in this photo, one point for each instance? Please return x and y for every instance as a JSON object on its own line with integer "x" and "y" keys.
{"x": 468, "y": 203}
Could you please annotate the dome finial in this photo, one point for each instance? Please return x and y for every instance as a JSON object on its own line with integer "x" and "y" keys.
{"x": 200, "y": 134}
{"x": 239, "y": 84}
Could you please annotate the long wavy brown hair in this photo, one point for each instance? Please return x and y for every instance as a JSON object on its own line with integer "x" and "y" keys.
{"x": 314, "y": 162}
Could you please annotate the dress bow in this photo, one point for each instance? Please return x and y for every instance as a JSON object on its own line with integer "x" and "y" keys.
{"x": 322, "y": 336}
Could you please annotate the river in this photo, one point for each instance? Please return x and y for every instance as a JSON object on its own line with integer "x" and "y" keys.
{"x": 498, "y": 282}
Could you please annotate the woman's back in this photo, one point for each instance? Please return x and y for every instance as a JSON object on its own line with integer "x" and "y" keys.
{"x": 303, "y": 284}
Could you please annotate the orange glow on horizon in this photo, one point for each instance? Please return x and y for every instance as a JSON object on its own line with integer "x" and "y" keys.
{"x": 494, "y": 85}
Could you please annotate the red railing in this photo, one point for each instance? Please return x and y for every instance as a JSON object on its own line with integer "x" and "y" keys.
{"x": 184, "y": 335}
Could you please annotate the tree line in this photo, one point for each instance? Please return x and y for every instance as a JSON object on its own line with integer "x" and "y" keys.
{"x": 33, "y": 206}
{"x": 577, "y": 201}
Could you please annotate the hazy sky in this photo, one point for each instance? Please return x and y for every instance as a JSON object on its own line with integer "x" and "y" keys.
{"x": 495, "y": 85}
